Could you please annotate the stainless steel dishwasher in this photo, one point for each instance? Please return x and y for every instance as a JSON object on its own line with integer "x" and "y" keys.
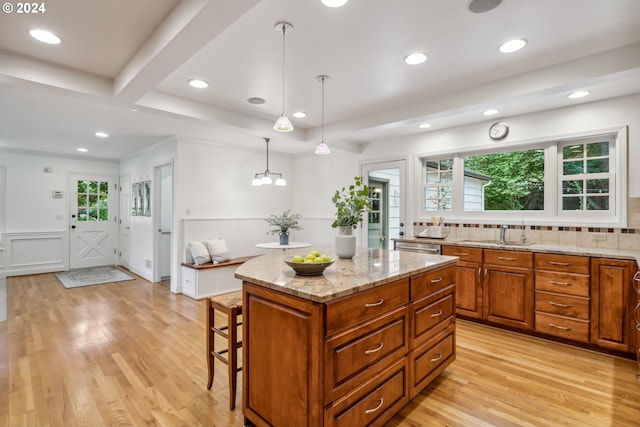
{"x": 421, "y": 247}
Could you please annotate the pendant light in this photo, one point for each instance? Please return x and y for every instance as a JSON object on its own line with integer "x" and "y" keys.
{"x": 283, "y": 124}
{"x": 265, "y": 177}
{"x": 322, "y": 147}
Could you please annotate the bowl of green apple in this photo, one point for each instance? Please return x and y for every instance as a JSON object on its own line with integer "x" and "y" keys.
{"x": 312, "y": 264}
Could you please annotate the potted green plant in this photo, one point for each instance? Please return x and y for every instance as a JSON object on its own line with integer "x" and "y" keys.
{"x": 350, "y": 202}
{"x": 282, "y": 223}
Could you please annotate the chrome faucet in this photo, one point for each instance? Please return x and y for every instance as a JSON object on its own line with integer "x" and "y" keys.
{"x": 523, "y": 236}
{"x": 503, "y": 229}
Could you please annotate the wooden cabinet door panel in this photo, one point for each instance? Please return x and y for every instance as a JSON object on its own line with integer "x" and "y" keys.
{"x": 612, "y": 304}
{"x": 509, "y": 296}
{"x": 431, "y": 282}
{"x": 469, "y": 289}
{"x": 431, "y": 315}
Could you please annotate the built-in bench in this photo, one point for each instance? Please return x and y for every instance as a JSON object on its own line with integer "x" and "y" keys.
{"x": 205, "y": 280}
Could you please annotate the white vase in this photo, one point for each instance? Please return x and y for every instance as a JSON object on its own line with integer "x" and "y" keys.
{"x": 345, "y": 243}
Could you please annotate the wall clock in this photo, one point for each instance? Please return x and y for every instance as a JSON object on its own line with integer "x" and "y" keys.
{"x": 498, "y": 130}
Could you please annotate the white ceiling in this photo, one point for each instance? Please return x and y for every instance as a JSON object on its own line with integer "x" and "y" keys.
{"x": 120, "y": 55}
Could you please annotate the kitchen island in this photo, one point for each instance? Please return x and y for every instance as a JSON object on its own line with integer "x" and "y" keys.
{"x": 350, "y": 347}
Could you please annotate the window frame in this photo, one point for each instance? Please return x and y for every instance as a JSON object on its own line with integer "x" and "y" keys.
{"x": 552, "y": 213}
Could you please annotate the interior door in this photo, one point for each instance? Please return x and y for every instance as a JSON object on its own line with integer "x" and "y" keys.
{"x": 92, "y": 221}
{"x": 378, "y": 222}
{"x": 392, "y": 199}
{"x": 124, "y": 222}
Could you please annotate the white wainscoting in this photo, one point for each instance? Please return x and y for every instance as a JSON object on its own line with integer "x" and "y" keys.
{"x": 34, "y": 252}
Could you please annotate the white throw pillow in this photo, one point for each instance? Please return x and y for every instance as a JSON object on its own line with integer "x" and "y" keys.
{"x": 218, "y": 250}
{"x": 199, "y": 252}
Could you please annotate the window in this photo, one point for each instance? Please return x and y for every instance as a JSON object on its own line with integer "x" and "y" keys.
{"x": 437, "y": 179}
{"x": 93, "y": 201}
{"x": 573, "y": 181}
{"x": 586, "y": 176}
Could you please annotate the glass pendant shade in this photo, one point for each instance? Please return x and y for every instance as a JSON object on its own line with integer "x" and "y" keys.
{"x": 256, "y": 182}
{"x": 280, "y": 182}
{"x": 266, "y": 180}
{"x": 323, "y": 149}
{"x": 283, "y": 124}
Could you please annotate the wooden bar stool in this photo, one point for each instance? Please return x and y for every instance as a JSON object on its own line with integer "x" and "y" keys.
{"x": 231, "y": 305}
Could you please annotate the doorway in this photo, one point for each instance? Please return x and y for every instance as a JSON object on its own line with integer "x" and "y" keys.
{"x": 386, "y": 220}
{"x": 163, "y": 222}
{"x": 92, "y": 228}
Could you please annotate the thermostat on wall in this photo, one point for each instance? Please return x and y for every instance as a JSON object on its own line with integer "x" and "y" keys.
{"x": 57, "y": 194}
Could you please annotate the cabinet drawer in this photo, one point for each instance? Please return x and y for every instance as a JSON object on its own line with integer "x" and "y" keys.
{"x": 508, "y": 258}
{"x": 573, "y": 329}
{"x": 354, "y": 356}
{"x": 564, "y": 283}
{"x": 563, "y": 305}
{"x": 351, "y": 310}
{"x": 465, "y": 254}
{"x": 430, "y": 359}
{"x": 563, "y": 263}
{"x": 189, "y": 281}
{"x": 431, "y": 282}
{"x": 431, "y": 315}
{"x": 375, "y": 403}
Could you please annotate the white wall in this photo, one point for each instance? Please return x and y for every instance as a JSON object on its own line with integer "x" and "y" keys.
{"x": 36, "y": 227}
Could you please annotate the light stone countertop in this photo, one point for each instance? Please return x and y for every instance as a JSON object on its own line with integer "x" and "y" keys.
{"x": 368, "y": 268}
{"x": 624, "y": 254}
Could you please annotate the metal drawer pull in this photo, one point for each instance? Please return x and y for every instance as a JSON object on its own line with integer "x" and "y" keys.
{"x": 375, "y": 304}
{"x": 368, "y": 411}
{"x": 461, "y": 253}
{"x": 504, "y": 258}
{"x": 439, "y": 279}
{"x": 439, "y": 313}
{"x": 564, "y": 264}
{"x": 636, "y": 281}
{"x": 438, "y": 357}
{"x": 553, "y": 282}
{"x": 564, "y": 328}
{"x": 378, "y": 348}
{"x": 557, "y": 304}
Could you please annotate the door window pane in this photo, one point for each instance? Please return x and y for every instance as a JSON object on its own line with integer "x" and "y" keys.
{"x": 93, "y": 200}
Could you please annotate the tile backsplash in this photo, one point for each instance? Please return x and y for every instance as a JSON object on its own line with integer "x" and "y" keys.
{"x": 586, "y": 237}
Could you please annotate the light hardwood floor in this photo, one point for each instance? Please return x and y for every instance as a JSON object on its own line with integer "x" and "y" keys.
{"x": 132, "y": 354}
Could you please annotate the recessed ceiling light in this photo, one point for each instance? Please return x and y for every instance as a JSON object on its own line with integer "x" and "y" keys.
{"x": 198, "y": 84}
{"x": 300, "y": 114}
{"x": 578, "y": 94}
{"x": 135, "y": 110}
{"x": 44, "y": 36}
{"x": 491, "y": 112}
{"x": 82, "y": 150}
{"x": 255, "y": 100}
{"x": 424, "y": 125}
{"x": 334, "y": 3}
{"x": 415, "y": 58}
{"x": 101, "y": 134}
{"x": 512, "y": 45}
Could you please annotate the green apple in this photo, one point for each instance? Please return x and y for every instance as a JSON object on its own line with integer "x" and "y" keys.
{"x": 297, "y": 258}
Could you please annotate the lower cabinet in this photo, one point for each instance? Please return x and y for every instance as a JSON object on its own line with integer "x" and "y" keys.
{"x": 613, "y": 304}
{"x": 469, "y": 295}
{"x": 354, "y": 361}
{"x": 508, "y": 288}
{"x": 636, "y": 318}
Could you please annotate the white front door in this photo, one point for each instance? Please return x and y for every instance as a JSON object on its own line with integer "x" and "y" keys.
{"x": 124, "y": 222}
{"x": 93, "y": 221}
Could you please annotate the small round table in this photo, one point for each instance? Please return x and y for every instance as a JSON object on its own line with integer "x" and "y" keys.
{"x": 277, "y": 245}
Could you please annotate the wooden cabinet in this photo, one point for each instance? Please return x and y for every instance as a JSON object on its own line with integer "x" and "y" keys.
{"x": 612, "y": 325}
{"x": 562, "y": 284}
{"x": 469, "y": 295}
{"x": 355, "y": 361}
{"x": 636, "y": 318}
{"x": 508, "y": 288}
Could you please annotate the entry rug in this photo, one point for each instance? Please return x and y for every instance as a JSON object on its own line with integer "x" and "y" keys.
{"x": 3, "y": 299}
{"x": 91, "y": 276}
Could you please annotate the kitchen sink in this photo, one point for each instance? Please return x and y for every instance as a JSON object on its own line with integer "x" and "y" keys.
{"x": 497, "y": 242}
